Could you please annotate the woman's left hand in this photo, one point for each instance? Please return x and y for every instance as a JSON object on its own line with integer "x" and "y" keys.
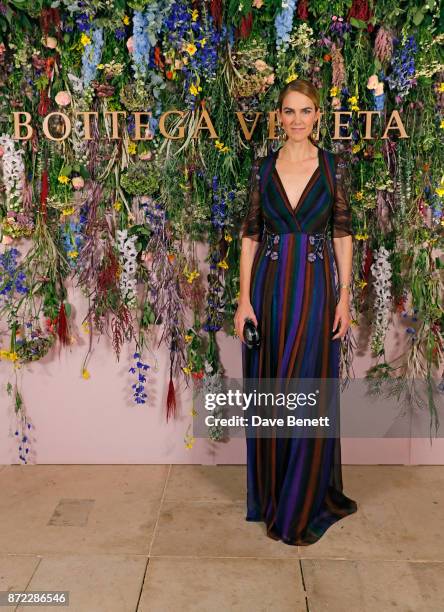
{"x": 342, "y": 317}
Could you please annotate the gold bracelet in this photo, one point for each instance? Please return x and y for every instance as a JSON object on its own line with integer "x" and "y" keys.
{"x": 344, "y": 285}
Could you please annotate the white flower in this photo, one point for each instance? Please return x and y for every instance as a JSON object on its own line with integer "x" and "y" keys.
{"x": 382, "y": 273}
{"x": 13, "y": 169}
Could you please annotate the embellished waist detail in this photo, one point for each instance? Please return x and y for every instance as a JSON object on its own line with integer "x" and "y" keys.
{"x": 316, "y": 241}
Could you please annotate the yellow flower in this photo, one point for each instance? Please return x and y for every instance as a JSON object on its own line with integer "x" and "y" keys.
{"x": 100, "y": 66}
{"x": 223, "y": 264}
{"x": 187, "y": 370}
{"x": 291, "y": 77}
{"x": 195, "y": 15}
{"x": 132, "y": 148}
{"x": 191, "y": 48}
{"x": 85, "y": 327}
{"x": 353, "y": 100}
{"x": 126, "y": 19}
{"x": 194, "y": 90}
{"x": 361, "y": 236}
{"x": 362, "y": 283}
{"x": 441, "y": 125}
{"x": 188, "y": 338}
{"x": 9, "y": 355}
{"x": 228, "y": 237}
{"x": 63, "y": 179}
{"x": 441, "y": 87}
{"x": 354, "y": 322}
{"x": 359, "y": 195}
{"x": 334, "y": 91}
{"x": 117, "y": 205}
{"x": 203, "y": 42}
{"x": 73, "y": 254}
{"x": 193, "y": 412}
{"x": 85, "y": 374}
{"x": 440, "y": 191}
{"x": 192, "y": 275}
{"x": 356, "y": 148}
{"x": 68, "y": 211}
{"x": 189, "y": 441}
{"x": 85, "y": 40}
{"x": 220, "y": 145}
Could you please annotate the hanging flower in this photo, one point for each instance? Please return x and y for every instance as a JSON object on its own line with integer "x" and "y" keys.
{"x": 128, "y": 254}
{"x": 13, "y": 172}
{"x": 63, "y": 98}
{"x": 382, "y": 272}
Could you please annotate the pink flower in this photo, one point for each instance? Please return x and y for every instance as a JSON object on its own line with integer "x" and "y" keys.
{"x": 145, "y": 156}
{"x": 336, "y": 102}
{"x": 270, "y": 79}
{"x": 78, "y": 182}
{"x": 260, "y": 65}
{"x": 2, "y": 151}
{"x": 6, "y": 239}
{"x": 63, "y": 98}
{"x": 130, "y": 44}
{"x": 258, "y": 3}
{"x": 372, "y": 82}
{"x": 50, "y": 42}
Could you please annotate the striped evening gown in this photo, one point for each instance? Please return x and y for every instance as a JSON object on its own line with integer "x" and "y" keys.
{"x": 294, "y": 485}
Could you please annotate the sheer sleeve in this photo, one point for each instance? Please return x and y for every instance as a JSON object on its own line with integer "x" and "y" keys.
{"x": 342, "y": 221}
{"x": 253, "y": 223}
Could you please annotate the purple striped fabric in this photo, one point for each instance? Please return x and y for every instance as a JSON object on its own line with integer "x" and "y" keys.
{"x": 294, "y": 485}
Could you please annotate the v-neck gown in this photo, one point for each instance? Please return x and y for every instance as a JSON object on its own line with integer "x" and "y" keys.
{"x": 295, "y": 485}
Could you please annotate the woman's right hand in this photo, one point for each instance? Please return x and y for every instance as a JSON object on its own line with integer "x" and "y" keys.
{"x": 244, "y": 311}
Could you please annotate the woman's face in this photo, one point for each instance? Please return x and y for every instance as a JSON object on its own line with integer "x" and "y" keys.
{"x": 298, "y": 115}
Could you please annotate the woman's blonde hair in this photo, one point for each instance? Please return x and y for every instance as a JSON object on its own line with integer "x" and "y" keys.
{"x": 302, "y": 86}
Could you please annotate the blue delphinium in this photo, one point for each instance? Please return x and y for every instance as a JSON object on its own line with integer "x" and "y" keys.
{"x": 283, "y": 23}
{"x": 92, "y": 54}
{"x": 180, "y": 28}
{"x": 402, "y": 78}
{"x": 141, "y": 43}
{"x": 219, "y": 208}
{"x": 12, "y": 279}
{"x": 139, "y": 368}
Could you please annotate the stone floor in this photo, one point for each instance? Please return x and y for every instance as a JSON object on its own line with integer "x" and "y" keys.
{"x": 160, "y": 538}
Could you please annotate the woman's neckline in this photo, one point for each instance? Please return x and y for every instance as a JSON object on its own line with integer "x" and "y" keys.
{"x": 295, "y": 161}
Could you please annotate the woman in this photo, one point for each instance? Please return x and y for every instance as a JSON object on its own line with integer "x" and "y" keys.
{"x": 288, "y": 289}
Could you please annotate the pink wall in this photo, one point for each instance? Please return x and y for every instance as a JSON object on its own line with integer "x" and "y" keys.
{"x": 95, "y": 421}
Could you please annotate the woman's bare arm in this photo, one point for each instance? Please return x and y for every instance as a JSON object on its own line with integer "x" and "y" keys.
{"x": 248, "y": 252}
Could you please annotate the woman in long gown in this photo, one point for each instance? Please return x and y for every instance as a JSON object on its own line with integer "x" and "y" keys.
{"x": 294, "y": 484}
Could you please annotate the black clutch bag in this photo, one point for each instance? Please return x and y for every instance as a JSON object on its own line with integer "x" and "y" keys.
{"x": 251, "y": 334}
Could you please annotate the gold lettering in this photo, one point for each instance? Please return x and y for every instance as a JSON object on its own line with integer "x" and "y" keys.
{"x": 139, "y": 125}
{"x": 162, "y": 128}
{"x": 272, "y": 122}
{"x": 248, "y": 134}
{"x": 368, "y": 123}
{"x": 399, "y": 125}
{"x": 209, "y": 126}
{"x": 115, "y": 123}
{"x": 338, "y": 125}
{"x": 19, "y": 124}
{"x": 87, "y": 122}
{"x": 65, "y": 120}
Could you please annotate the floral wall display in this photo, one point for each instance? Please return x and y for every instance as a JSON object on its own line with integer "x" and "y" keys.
{"x": 118, "y": 208}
